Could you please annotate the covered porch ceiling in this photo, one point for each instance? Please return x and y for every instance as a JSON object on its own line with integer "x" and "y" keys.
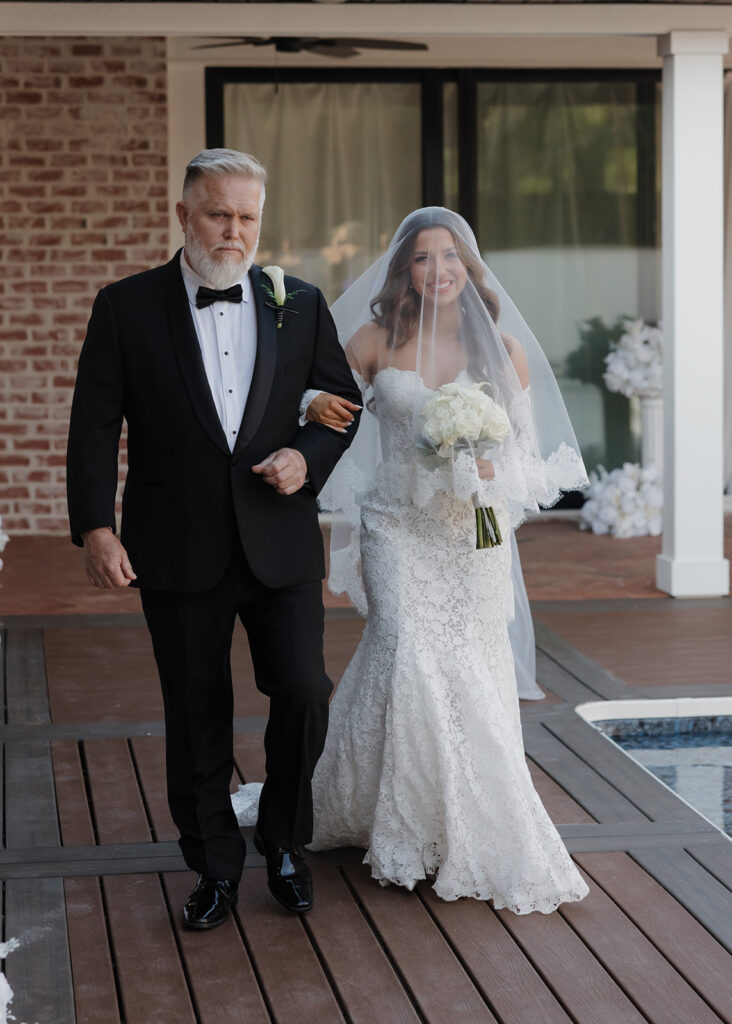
{"x": 430, "y": 20}
{"x": 462, "y": 33}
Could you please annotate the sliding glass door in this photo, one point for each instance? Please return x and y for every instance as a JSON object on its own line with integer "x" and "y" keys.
{"x": 556, "y": 172}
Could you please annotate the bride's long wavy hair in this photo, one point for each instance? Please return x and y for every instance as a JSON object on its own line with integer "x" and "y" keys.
{"x": 397, "y": 306}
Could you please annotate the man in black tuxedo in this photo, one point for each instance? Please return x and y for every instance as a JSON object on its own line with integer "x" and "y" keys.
{"x": 219, "y": 514}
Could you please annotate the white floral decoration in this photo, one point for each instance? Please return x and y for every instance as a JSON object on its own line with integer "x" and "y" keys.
{"x": 3, "y": 540}
{"x": 627, "y": 502}
{"x": 635, "y": 364}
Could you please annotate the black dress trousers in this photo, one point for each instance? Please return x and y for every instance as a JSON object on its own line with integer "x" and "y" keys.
{"x": 191, "y": 635}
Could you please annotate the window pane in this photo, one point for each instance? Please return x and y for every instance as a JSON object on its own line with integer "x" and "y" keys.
{"x": 344, "y": 163}
{"x": 567, "y": 220}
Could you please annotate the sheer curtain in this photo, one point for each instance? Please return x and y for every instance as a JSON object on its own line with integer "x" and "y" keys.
{"x": 344, "y": 161}
{"x": 567, "y": 184}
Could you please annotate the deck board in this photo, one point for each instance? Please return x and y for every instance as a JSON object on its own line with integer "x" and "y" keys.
{"x": 701, "y": 893}
{"x": 298, "y": 989}
{"x": 118, "y": 805}
{"x": 559, "y": 805}
{"x": 220, "y": 973}
{"x": 94, "y": 985}
{"x": 677, "y": 935}
{"x": 716, "y": 858}
{"x": 29, "y": 784}
{"x": 364, "y": 976}
{"x": 71, "y": 798}
{"x": 39, "y": 971}
{"x": 660, "y": 876}
{"x": 671, "y": 644}
{"x": 589, "y": 673}
{"x": 445, "y": 992}
{"x": 149, "y": 755}
{"x": 26, "y": 690}
{"x": 577, "y": 979}
{"x": 576, "y": 777}
{"x": 647, "y": 977}
{"x": 508, "y": 980}
{"x": 152, "y": 981}
{"x": 552, "y": 676}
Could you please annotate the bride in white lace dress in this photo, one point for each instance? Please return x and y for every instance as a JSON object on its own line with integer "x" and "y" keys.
{"x": 424, "y": 763}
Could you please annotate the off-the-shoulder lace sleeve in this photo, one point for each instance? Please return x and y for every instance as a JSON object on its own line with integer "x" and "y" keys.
{"x": 525, "y": 478}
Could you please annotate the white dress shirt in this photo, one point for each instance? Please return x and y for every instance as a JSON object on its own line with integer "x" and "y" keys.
{"x": 227, "y": 334}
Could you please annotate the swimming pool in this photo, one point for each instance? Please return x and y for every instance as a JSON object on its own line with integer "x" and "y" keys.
{"x": 685, "y": 743}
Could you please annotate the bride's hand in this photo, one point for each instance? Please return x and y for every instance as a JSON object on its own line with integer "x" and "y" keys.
{"x": 486, "y": 469}
{"x": 331, "y": 410}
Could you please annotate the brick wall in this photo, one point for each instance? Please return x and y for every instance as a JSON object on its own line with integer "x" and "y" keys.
{"x": 83, "y": 201}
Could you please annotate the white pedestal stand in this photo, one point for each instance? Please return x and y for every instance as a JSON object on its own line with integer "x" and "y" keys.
{"x": 652, "y": 431}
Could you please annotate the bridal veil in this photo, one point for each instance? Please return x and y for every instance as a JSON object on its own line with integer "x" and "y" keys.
{"x": 460, "y": 326}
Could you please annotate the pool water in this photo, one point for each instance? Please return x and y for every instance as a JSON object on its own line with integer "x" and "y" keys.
{"x": 692, "y": 756}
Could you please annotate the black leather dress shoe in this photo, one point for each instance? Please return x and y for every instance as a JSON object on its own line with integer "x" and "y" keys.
{"x": 288, "y": 875}
{"x": 210, "y": 902}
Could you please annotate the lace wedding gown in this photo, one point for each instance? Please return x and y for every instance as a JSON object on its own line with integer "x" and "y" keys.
{"x": 424, "y": 762}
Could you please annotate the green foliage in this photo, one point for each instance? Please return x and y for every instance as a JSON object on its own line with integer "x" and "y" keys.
{"x": 586, "y": 363}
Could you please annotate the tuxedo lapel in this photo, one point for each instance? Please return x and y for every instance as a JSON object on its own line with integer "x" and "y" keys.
{"x": 188, "y": 352}
{"x": 264, "y": 364}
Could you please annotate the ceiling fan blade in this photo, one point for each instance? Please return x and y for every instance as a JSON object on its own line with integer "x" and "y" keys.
{"x": 378, "y": 44}
{"x": 332, "y": 49}
{"x": 240, "y": 41}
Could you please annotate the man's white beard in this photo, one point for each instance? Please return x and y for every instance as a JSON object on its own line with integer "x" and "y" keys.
{"x": 218, "y": 273}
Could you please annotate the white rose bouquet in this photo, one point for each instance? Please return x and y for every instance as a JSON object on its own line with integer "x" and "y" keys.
{"x": 459, "y": 417}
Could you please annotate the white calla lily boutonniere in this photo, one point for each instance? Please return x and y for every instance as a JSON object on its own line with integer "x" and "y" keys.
{"x": 277, "y": 294}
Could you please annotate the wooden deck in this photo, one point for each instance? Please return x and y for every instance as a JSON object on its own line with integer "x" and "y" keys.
{"x": 93, "y": 882}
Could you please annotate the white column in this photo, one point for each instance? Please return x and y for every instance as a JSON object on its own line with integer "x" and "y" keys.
{"x": 692, "y": 562}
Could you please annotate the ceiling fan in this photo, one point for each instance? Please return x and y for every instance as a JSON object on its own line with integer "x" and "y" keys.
{"x": 338, "y": 48}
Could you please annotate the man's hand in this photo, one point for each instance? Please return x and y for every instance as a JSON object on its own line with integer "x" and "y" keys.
{"x": 105, "y": 560}
{"x": 284, "y": 469}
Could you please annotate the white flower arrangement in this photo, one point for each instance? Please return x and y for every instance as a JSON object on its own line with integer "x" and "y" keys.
{"x": 3, "y": 540}
{"x": 627, "y": 502}
{"x": 635, "y": 364}
{"x": 462, "y": 415}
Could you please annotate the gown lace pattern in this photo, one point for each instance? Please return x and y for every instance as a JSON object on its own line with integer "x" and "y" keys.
{"x": 424, "y": 762}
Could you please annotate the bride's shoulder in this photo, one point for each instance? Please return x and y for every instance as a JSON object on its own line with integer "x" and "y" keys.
{"x": 366, "y": 346}
{"x": 518, "y": 357}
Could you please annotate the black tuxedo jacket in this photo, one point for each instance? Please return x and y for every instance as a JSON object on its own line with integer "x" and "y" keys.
{"x": 186, "y": 492}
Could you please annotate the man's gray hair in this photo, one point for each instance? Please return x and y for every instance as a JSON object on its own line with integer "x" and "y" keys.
{"x": 222, "y": 162}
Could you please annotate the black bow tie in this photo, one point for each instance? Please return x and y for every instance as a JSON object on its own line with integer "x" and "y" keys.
{"x": 207, "y": 296}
